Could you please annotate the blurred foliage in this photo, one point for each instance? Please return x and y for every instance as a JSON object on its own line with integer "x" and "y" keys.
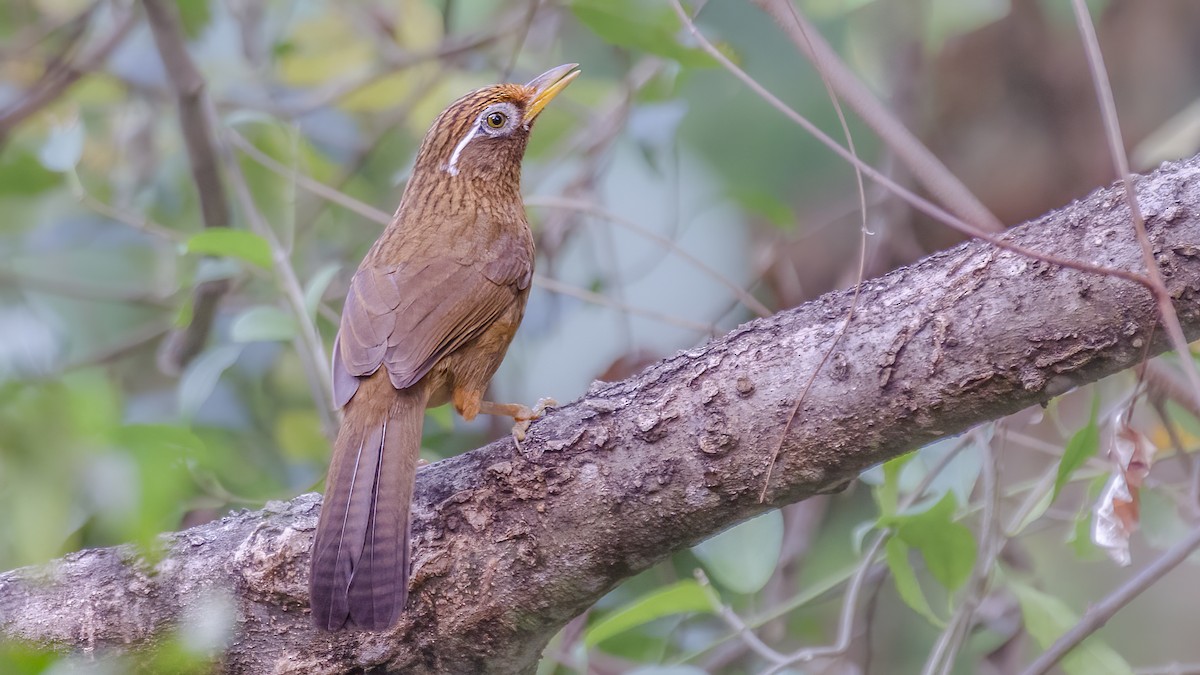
{"x": 103, "y": 244}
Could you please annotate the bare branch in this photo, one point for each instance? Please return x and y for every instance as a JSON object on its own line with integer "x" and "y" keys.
{"x": 925, "y": 166}
{"x": 925, "y": 206}
{"x": 1099, "y": 613}
{"x": 1108, "y": 111}
{"x": 182, "y": 345}
{"x": 194, "y": 122}
{"x": 509, "y": 547}
{"x": 56, "y": 81}
{"x": 592, "y": 209}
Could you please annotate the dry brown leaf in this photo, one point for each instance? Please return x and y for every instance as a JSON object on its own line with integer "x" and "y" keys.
{"x": 1117, "y": 511}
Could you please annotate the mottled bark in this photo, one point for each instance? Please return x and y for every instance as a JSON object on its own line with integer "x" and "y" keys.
{"x": 509, "y": 548}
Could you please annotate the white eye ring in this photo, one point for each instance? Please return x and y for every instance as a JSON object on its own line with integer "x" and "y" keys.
{"x": 498, "y": 119}
{"x": 505, "y": 115}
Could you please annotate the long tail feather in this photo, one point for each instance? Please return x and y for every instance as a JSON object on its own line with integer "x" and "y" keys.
{"x": 360, "y": 560}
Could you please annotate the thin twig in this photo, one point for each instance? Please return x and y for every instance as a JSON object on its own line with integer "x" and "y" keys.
{"x": 308, "y": 341}
{"x": 1039, "y": 491}
{"x": 396, "y": 60}
{"x": 553, "y": 285}
{"x": 941, "y": 660}
{"x": 364, "y": 150}
{"x": 28, "y": 37}
{"x": 207, "y": 151}
{"x": 135, "y": 340}
{"x": 556, "y": 286}
{"x": 137, "y": 221}
{"x": 850, "y": 602}
{"x": 82, "y": 290}
{"x": 1112, "y": 128}
{"x": 1173, "y": 668}
{"x": 739, "y": 627}
{"x": 923, "y": 205}
{"x": 581, "y": 206}
{"x": 1190, "y": 465}
{"x": 846, "y": 620}
{"x": 56, "y": 81}
{"x": 188, "y": 84}
{"x": 1161, "y": 380}
{"x": 526, "y": 24}
{"x": 587, "y": 152}
{"x": 862, "y": 262}
{"x": 1098, "y": 614}
{"x": 312, "y": 185}
{"x": 923, "y": 164}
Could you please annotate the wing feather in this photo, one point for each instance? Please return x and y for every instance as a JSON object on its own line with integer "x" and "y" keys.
{"x": 407, "y": 316}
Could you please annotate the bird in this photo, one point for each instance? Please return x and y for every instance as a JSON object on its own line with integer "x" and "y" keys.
{"x": 428, "y": 317}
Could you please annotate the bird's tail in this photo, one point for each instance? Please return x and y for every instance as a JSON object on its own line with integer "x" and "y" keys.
{"x": 360, "y": 556}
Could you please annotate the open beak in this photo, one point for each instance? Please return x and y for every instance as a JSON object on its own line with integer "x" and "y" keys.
{"x": 547, "y": 85}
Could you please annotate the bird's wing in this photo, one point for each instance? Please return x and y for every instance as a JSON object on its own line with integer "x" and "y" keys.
{"x": 407, "y": 316}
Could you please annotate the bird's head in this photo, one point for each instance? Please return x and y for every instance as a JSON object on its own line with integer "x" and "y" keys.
{"x": 482, "y": 136}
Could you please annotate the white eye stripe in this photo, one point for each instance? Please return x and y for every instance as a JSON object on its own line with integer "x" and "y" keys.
{"x": 481, "y": 126}
{"x": 452, "y": 166}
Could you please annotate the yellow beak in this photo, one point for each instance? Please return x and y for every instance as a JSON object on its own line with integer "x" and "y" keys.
{"x": 547, "y": 85}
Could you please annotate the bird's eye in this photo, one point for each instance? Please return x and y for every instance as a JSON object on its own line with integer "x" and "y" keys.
{"x": 496, "y": 120}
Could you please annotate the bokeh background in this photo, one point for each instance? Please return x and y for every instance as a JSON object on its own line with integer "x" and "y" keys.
{"x": 669, "y": 203}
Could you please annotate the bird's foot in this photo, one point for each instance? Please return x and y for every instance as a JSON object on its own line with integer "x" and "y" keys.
{"x": 523, "y": 415}
{"x": 527, "y": 416}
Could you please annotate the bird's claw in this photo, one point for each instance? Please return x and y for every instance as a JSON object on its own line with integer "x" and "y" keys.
{"x": 526, "y": 416}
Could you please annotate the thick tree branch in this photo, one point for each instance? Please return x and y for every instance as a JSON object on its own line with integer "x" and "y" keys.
{"x": 509, "y": 548}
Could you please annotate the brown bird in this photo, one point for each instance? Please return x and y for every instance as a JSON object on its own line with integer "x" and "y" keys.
{"x": 428, "y": 317}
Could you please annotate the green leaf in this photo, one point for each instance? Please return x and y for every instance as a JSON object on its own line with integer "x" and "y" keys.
{"x": 1039, "y": 509}
{"x": 265, "y": 323}
{"x": 201, "y": 377}
{"x": 162, "y": 454}
{"x": 887, "y": 495}
{"x": 442, "y": 416}
{"x": 948, "y": 547}
{"x": 764, "y": 203}
{"x": 906, "y": 582}
{"x": 1082, "y": 446}
{"x": 744, "y": 557}
{"x": 162, "y": 437}
{"x": 678, "y": 598}
{"x": 194, "y": 15}
{"x": 233, "y": 243}
{"x": 22, "y": 174}
{"x": 298, "y": 433}
{"x": 17, "y": 658}
{"x": 317, "y": 286}
{"x": 650, "y": 27}
{"x": 1047, "y": 618}
{"x": 62, "y": 150}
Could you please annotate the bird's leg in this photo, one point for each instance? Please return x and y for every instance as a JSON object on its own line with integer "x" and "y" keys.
{"x": 522, "y": 414}
{"x": 469, "y": 403}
